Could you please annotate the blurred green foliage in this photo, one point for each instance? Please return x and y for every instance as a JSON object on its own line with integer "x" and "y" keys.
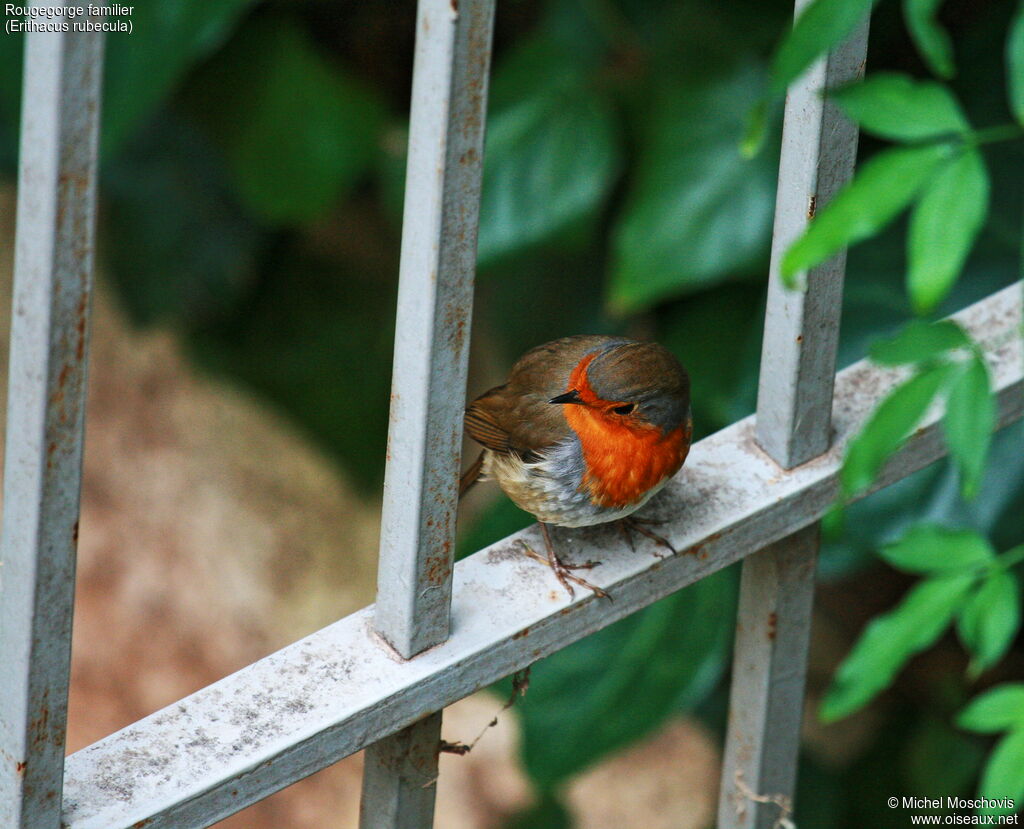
{"x": 253, "y": 164}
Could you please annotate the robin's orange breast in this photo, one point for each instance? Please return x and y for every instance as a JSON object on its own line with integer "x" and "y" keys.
{"x": 623, "y": 461}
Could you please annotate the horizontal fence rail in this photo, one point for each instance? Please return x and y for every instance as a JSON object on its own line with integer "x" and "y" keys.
{"x": 339, "y": 690}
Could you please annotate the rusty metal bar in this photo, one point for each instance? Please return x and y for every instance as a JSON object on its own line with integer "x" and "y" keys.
{"x": 435, "y": 297}
{"x": 400, "y": 777}
{"x": 794, "y": 414}
{"x": 801, "y": 334}
{"x": 337, "y": 691}
{"x": 769, "y": 669}
{"x": 45, "y": 416}
{"x": 442, "y": 198}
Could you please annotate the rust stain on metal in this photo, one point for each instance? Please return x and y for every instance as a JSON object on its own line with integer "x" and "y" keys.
{"x": 698, "y": 549}
{"x": 522, "y": 634}
{"x": 74, "y": 533}
{"x": 19, "y": 767}
{"x": 438, "y": 568}
{"x": 80, "y": 312}
{"x": 38, "y": 725}
{"x": 455, "y": 325}
{"x": 773, "y": 621}
{"x": 455, "y": 6}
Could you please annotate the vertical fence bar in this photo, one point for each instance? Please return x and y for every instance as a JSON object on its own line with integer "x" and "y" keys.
{"x": 794, "y": 412}
{"x": 439, "y": 231}
{"x": 435, "y": 297}
{"x": 45, "y": 416}
{"x": 399, "y": 778}
{"x": 798, "y": 357}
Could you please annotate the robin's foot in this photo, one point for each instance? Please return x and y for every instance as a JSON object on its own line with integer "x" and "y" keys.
{"x": 562, "y": 570}
{"x": 629, "y": 524}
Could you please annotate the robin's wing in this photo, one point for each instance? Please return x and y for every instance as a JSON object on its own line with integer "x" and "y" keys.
{"x": 517, "y": 416}
{"x": 483, "y": 423}
{"x": 505, "y": 421}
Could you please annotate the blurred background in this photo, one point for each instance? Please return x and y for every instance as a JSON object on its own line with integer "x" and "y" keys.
{"x": 249, "y": 227}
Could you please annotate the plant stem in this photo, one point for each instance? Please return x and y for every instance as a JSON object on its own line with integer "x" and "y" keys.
{"x": 1012, "y": 557}
{"x": 991, "y": 135}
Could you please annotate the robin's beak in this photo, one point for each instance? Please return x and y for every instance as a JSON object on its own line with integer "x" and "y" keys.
{"x": 569, "y": 397}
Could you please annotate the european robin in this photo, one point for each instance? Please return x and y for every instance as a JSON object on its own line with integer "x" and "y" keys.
{"x": 585, "y": 431}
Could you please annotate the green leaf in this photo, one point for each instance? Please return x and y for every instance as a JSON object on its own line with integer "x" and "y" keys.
{"x": 1004, "y": 774}
{"x": 821, "y": 25}
{"x": 888, "y": 427}
{"x": 995, "y": 710}
{"x": 616, "y": 686}
{"x": 143, "y": 68}
{"x": 698, "y": 211}
{"x": 890, "y": 640}
{"x": 883, "y": 187}
{"x": 931, "y": 39}
{"x": 539, "y": 176}
{"x": 929, "y": 548}
{"x": 755, "y": 130}
{"x": 969, "y": 421}
{"x": 1015, "y": 64}
{"x": 900, "y": 108}
{"x": 943, "y": 227}
{"x": 296, "y": 131}
{"x": 990, "y": 619}
{"x": 919, "y": 341}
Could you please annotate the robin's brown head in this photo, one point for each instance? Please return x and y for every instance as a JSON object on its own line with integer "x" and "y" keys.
{"x": 640, "y": 385}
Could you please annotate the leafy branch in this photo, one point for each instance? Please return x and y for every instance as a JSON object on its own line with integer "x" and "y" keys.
{"x": 966, "y": 582}
{"x": 937, "y": 171}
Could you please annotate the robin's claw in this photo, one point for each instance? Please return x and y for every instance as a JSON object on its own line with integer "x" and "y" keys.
{"x": 651, "y": 522}
{"x": 586, "y": 565}
{"x": 637, "y": 525}
{"x": 563, "y": 571}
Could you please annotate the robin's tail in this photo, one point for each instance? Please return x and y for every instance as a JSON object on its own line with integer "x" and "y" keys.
{"x": 471, "y": 475}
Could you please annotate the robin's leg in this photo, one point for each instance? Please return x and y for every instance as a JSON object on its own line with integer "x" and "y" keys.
{"x": 630, "y": 524}
{"x": 563, "y": 571}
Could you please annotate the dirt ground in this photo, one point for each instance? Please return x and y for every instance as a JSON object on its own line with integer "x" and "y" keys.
{"x": 213, "y": 534}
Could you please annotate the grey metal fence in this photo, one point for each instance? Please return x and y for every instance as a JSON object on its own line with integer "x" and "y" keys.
{"x": 380, "y": 678}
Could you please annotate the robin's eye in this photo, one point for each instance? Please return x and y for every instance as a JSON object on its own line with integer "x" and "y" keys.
{"x": 624, "y": 410}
